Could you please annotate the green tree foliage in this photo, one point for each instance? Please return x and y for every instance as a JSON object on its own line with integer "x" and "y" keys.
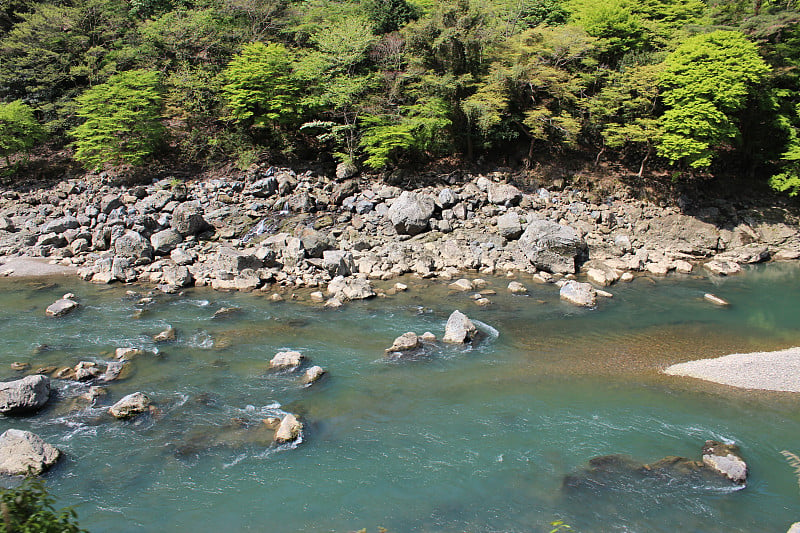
{"x": 706, "y": 82}
{"x": 30, "y": 508}
{"x": 614, "y": 22}
{"x": 260, "y": 88}
{"x": 389, "y": 15}
{"x": 121, "y": 120}
{"x": 59, "y": 49}
{"x": 19, "y": 129}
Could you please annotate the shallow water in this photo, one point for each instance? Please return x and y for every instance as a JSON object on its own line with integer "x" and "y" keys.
{"x": 471, "y": 439}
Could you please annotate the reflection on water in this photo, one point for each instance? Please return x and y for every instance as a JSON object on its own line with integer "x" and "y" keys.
{"x": 475, "y": 439}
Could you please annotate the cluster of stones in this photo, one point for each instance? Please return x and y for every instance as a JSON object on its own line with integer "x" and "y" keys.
{"x": 458, "y": 330}
{"x": 718, "y": 460}
{"x": 272, "y": 228}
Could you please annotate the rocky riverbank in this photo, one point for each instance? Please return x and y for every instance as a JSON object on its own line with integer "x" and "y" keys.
{"x": 271, "y": 229}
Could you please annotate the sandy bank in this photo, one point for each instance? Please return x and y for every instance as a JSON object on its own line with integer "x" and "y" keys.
{"x": 773, "y": 371}
{"x": 30, "y": 267}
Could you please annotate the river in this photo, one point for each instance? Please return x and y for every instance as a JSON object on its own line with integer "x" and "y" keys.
{"x": 474, "y": 439}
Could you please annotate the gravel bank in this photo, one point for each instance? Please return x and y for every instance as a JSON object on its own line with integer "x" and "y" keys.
{"x": 773, "y": 371}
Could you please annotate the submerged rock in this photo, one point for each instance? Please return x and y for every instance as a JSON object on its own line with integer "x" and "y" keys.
{"x": 130, "y": 406}
{"x": 24, "y": 395}
{"x": 23, "y": 452}
{"x": 459, "y": 329}
{"x": 716, "y": 300}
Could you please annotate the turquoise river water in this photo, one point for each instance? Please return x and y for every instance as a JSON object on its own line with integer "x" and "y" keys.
{"x": 467, "y": 440}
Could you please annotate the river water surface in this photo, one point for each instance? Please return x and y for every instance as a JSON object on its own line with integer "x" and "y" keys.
{"x": 469, "y": 439}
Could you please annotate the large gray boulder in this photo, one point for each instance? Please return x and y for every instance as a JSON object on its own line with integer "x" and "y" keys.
{"x": 508, "y": 226}
{"x": 552, "y": 247}
{"x": 290, "y": 361}
{"x": 231, "y": 260}
{"x": 24, "y": 395}
{"x": 61, "y": 307}
{"x": 187, "y": 219}
{"x": 130, "y": 406}
{"x": 133, "y": 244}
{"x": 60, "y": 225}
{"x": 165, "y": 241}
{"x": 338, "y": 262}
{"x": 459, "y": 329}
{"x": 503, "y": 194}
{"x": 582, "y": 294}
{"x": 343, "y": 288}
{"x": 22, "y": 452}
{"x": 411, "y": 212}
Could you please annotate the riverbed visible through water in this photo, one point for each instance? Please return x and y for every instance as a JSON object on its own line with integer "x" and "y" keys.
{"x": 468, "y": 439}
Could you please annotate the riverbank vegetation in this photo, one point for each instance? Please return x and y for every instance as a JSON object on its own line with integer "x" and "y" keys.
{"x": 685, "y": 87}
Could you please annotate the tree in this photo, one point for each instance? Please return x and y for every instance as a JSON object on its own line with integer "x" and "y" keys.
{"x": 29, "y": 508}
{"x": 389, "y": 15}
{"x": 706, "y": 81}
{"x": 121, "y": 120}
{"x": 19, "y": 129}
{"x": 260, "y": 87}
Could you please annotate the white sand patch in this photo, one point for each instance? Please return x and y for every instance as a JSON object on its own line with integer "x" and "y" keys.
{"x": 773, "y": 371}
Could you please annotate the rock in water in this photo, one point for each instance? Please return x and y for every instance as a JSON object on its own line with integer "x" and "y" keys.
{"x": 577, "y": 293}
{"x": 22, "y": 452}
{"x": 344, "y": 289}
{"x": 404, "y": 343}
{"x": 24, "y": 395}
{"x": 286, "y": 361}
{"x": 725, "y": 459}
{"x": 131, "y": 405}
{"x": 716, "y": 300}
{"x": 61, "y": 307}
{"x": 411, "y": 212}
{"x": 459, "y": 329}
{"x": 289, "y": 430}
{"x": 312, "y": 375}
{"x": 552, "y": 247}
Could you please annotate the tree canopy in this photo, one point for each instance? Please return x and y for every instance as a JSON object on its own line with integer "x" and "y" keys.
{"x": 702, "y": 86}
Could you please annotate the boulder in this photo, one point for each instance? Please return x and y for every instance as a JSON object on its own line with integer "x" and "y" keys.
{"x": 60, "y": 225}
{"x": 503, "y": 194}
{"x": 404, "y": 343}
{"x": 289, "y": 430}
{"x": 24, "y": 395}
{"x": 164, "y": 242}
{"x": 23, "y": 452}
{"x": 187, "y": 219}
{"x": 61, "y": 307}
{"x": 343, "y": 288}
{"x": 175, "y": 277}
{"x": 410, "y": 213}
{"x": 508, "y": 226}
{"x": 338, "y": 262}
{"x": 312, "y": 375}
{"x": 726, "y": 460}
{"x": 459, "y": 329}
{"x": 716, "y": 300}
{"x": 462, "y": 284}
{"x": 552, "y": 247}
{"x": 515, "y": 287}
{"x": 168, "y": 335}
{"x": 286, "y": 361}
{"x": 577, "y": 293}
{"x": 722, "y": 267}
{"x": 231, "y": 260}
{"x": 130, "y": 406}
{"x": 132, "y": 244}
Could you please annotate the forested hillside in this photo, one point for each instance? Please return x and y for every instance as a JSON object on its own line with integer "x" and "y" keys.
{"x": 684, "y": 85}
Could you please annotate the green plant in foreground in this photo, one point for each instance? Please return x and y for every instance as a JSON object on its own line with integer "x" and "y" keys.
{"x": 29, "y": 508}
{"x": 559, "y": 525}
